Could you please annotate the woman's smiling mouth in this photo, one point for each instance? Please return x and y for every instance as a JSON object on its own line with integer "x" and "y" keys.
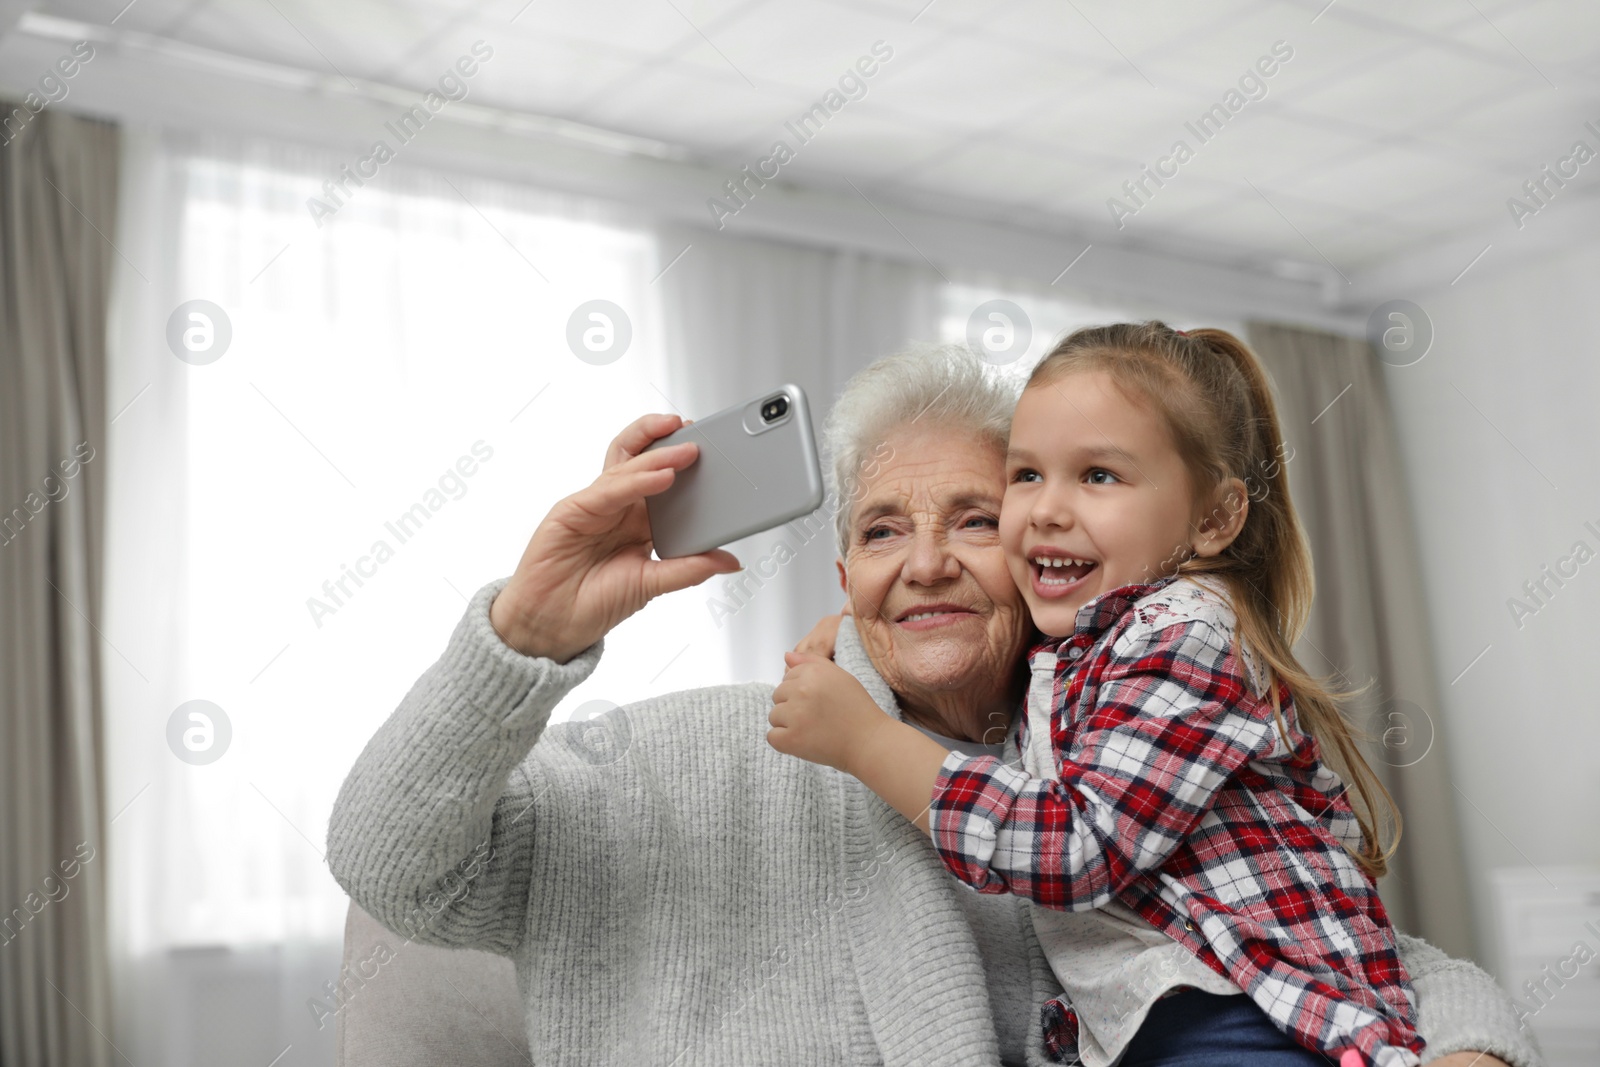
{"x": 932, "y": 616}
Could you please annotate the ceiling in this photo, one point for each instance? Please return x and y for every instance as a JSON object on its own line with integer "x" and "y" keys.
{"x": 1393, "y": 127}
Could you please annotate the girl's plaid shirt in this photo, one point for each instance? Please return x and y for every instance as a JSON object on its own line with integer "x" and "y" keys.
{"x": 1178, "y": 796}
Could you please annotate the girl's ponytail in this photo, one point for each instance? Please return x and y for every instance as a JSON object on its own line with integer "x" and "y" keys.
{"x": 1284, "y": 589}
{"x": 1277, "y": 542}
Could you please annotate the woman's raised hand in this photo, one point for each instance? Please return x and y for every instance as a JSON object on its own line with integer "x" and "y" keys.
{"x": 588, "y": 565}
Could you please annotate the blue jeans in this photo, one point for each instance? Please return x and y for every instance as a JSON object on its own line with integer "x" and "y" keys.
{"x": 1192, "y": 1028}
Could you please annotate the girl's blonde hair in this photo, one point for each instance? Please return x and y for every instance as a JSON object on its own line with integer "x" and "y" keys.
{"x": 1216, "y": 400}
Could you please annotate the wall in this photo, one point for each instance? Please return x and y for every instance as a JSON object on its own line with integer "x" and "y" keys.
{"x": 1499, "y": 433}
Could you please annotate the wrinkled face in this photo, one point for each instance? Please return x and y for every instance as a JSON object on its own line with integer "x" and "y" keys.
{"x": 933, "y": 602}
{"x": 1094, "y": 481}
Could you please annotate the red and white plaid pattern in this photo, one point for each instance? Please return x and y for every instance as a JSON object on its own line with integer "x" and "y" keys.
{"x": 1176, "y": 795}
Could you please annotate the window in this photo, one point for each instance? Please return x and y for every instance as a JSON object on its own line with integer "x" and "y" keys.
{"x": 396, "y": 409}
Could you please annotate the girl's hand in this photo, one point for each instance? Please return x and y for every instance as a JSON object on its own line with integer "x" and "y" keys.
{"x": 824, "y": 635}
{"x": 820, "y": 713}
{"x": 588, "y": 565}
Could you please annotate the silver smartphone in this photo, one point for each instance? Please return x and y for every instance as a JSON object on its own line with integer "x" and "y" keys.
{"x": 757, "y": 469}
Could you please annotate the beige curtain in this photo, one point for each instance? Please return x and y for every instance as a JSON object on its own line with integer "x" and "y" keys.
{"x": 1368, "y": 622}
{"x": 58, "y": 181}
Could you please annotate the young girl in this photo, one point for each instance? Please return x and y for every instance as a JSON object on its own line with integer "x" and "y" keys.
{"x": 1172, "y": 790}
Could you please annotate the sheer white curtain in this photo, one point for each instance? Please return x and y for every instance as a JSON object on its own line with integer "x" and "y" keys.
{"x": 745, "y": 315}
{"x": 294, "y": 528}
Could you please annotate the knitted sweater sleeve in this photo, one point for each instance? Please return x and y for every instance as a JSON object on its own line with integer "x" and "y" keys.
{"x": 1461, "y": 1009}
{"x": 432, "y": 831}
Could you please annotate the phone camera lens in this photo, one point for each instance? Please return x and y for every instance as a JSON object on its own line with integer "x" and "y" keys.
{"x": 775, "y": 408}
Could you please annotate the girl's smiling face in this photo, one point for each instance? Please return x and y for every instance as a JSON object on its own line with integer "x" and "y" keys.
{"x": 1093, "y": 478}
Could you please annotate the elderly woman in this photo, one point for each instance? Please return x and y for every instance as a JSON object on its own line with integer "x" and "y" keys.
{"x": 673, "y": 890}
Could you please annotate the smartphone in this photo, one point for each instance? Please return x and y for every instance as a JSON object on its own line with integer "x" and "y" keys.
{"x": 757, "y": 469}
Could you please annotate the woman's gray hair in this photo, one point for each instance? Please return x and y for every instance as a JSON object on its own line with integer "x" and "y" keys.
{"x": 948, "y": 385}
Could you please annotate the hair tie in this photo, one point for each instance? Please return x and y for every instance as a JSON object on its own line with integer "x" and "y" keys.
{"x": 1181, "y": 333}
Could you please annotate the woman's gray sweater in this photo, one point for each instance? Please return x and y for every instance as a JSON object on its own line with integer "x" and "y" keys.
{"x": 672, "y": 890}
